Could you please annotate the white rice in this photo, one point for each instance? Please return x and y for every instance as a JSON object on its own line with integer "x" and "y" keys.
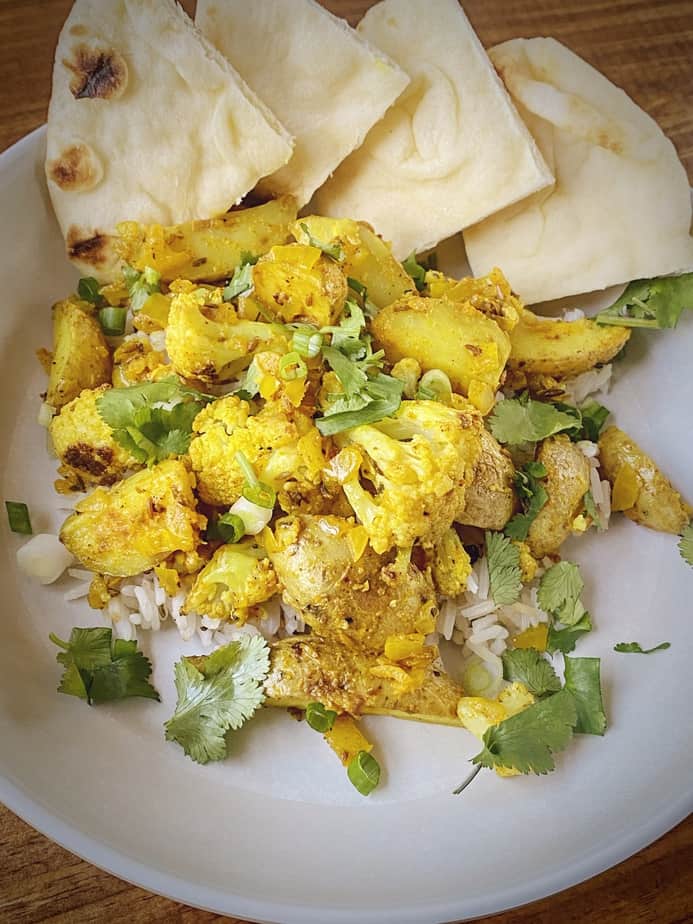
{"x": 594, "y": 381}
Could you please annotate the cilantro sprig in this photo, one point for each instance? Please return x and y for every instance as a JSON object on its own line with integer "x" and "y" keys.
{"x": 533, "y": 497}
{"x": 152, "y": 420}
{"x": 100, "y": 669}
{"x": 521, "y": 421}
{"x": 527, "y": 666}
{"x": 558, "y": 595}
{"x": 216, "y": 693}
{"x": 651, "y": 303}
{"x": 505, "y": 576}
{"x": 583, "y": 681}
{"x": 89, "y": 290}
{"x": 636, "y": 647}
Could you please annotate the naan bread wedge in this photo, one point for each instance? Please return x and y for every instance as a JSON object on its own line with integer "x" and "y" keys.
{"x": 620, "y": 208}
{"x": 147, "y": 122}
{"x": 328, "y": 86}
{"x": 451, "y": 150}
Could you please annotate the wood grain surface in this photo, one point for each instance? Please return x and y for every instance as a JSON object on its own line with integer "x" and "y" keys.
{"x": 644, "y": 47}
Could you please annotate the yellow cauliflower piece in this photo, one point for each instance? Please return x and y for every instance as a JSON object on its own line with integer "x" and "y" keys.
{"x": 280, "y": 442}
{"x": 236, "y": 578}
{"x": 207, "y": 339}
{"x": 296, "y": 282}
{"x": 415, "y": 465}
{"x": 451, "y": 565}
{"x": 136, "y": 524}
{"x": 85, "y": 446}
{"x": 478, "y": 714}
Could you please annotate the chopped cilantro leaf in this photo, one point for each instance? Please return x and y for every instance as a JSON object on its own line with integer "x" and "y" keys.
{"x": 652, "y": 303}
{"x": 152, "y": 420}
{"x": 686, "y": 544}
{"x": 636, "y": 648}
{"x": 141, "y": 285}
{"x": 559, "y": 592}
{"x": 334, "y": 251}
{"x": 89, "y": 289}
{"x": 522, "y": 420}
{"x": 582, "y": 680}
{"x": 594, "y": 416}
{"x": 565, "y": 640}
{"x": 527, "y": 666}
{"x": 532, "y": 496}
{"x": 217, "y": 692}
{"x": 101, "y": 669}
{"x": 503, "y": 567}
{"x": 591, "y": 509}
{"x": 528, "y": 740}
{"x": 416, "y": 270}
{"x": 242, "y": 279}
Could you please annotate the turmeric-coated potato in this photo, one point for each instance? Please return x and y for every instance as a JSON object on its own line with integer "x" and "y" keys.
{"x": 562, "y": 349}
{"x": 639, "y": 489}
{"x": 363, "y": 255}
{"x": 442, "y": 334}
{"x": 210, "y": 249}
{"x": 81, "y": 358}
{"x": 490, "y": 499}
{"x": 567, "y": 482}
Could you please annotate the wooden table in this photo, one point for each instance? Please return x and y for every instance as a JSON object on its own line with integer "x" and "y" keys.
{"x": 644, "y": 47}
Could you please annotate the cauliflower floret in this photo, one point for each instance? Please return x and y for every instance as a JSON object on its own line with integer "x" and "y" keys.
{"x": 85, "y": 446}
{"x": 297, "y": 283}
{"x": 416, "y": 464}
{"x": 280, "y": 442}
{"x": 237, "y": 578}
{"x": 207, "y": 340}
{"x": 478, "y": 714}
{"x": 136, "y": 524}
{"x": 451, "y": 565}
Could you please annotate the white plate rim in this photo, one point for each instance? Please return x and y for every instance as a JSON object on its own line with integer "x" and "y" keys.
{"x": 119, "y": 864}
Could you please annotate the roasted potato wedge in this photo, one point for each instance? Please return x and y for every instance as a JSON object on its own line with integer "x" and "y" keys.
{"x": 567, "y": 482}
{"x": 562, "y": 349}
{"x": 367, "y": 257}
{"x": 81, "y": 358}
{"x": 207, "y": 250}
{"x": 639, "y": 489}
{"x": 305, "y": 669}
{"x": 441, "y": 334}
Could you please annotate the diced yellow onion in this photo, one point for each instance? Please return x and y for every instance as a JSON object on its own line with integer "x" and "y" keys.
{"x": 44, "y": 558}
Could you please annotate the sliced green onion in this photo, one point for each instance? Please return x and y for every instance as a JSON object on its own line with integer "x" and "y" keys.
{"x": 320, "y": 719}
{"x": 260, "y": 494}
{"x": 246, "y": 468}
{"x": 307, "y": 343}
{"x": 436, "y": 381}
{"x": 112, "y": 321}
{"x": 357, "y": 286}
{"x": 291, "y": 367}
{"x": 18, "y": 516}
{"x": 364, "y": 772}
{"x": 254, "y": 516}
{"x": 476, "y": 679}
{"x": 230, "y": 527}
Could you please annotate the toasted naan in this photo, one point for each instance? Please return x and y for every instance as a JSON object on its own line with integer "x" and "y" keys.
{"x": 620, "y": 208}
{"x": 320, "y": 77}
{"x": 149, "y": 122}
{"x": 451, "y": 150}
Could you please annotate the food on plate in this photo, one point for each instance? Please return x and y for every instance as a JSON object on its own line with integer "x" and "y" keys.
{"x": 620, "y": 206}
{"x": 419, "y": 177}
{"x": 80, "y": 357}
{"x": 147, "y": 122}
{"x": 328, "y": 83}
{"x": 207, "y": 250}
{"x": 639, "y": 488}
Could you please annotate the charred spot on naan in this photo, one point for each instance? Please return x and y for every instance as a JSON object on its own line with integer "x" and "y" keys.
{"x": 78, "y": 169}
{"x": 98, "y": 73}
{"x": 89, "y": 247}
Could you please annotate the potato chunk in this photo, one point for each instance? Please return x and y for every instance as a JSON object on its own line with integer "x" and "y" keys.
{"x": 134, "y": 525}
{"x": 81, "y": 358}
{"x": 490, "y": 499}
{"x": 441, "y": 334}
{"x": 567, "y": 482}
{"x": 210, "y": 249}
{"x": 562, "y": 349}
{"x": 640, "y": 490}
{"x": 367, "y": 257}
